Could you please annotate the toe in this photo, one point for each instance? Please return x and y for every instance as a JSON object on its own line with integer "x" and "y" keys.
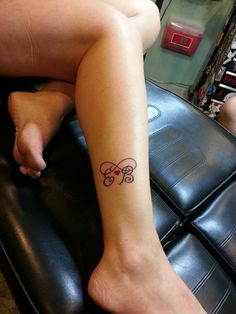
{"x": 33, "y": 173}
{"x": 30, "y": 172}
{"x": 28, "y": 150}
{"x": 23, "y": 170}
{"x": 33, "y": 160}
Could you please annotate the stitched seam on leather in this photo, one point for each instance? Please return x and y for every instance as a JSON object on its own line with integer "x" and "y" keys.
{"x": 155, "y": 197}
{"x": 199, "y": 203}
{"x": 223, "y": 299}
{"x": 170, "y": 230}
{"x": 214, "y": 247}
{"x": 174, "y": 160}
{"x": 204, "y": 278}
{"x": 228, "y": 238}
{"x": 17, "y": 276}
{"x": 176, "y": 224}
{"x": 163, "y": 147}
{"x": 156, "y": 152}
{"x": 199, "y": 164}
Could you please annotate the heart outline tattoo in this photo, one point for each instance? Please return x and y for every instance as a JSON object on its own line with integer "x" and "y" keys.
{"x": 123, "y": 170}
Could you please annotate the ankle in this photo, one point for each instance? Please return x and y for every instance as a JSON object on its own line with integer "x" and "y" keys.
{"x": 132, "y": 257}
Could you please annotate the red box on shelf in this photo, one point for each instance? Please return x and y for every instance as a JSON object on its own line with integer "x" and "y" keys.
{"x": 181, "y": 37}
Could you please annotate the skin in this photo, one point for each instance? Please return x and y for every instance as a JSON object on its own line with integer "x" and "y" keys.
{"x": 227, "y": 116}
{"x": 97, "y": 47}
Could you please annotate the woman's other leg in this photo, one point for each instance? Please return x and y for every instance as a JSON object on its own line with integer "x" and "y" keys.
{"x": 28, "y": 150}
{"x": 227, "y": 116}
{"x": 37, "y": 116}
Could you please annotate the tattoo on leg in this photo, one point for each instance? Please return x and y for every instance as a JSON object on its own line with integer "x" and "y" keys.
{"x": 123, "y": 171}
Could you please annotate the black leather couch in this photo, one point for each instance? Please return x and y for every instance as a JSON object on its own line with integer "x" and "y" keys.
{"x": 50, "y": 228}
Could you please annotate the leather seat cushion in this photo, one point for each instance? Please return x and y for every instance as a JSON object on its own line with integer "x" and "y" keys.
{"x": 216, "y": 227}
{"x": 202, "y": 274}
{"x": 186, "y": 151}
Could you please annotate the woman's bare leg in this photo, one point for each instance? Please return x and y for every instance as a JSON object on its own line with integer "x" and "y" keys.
{"x": 134, "y": 275}
{"x": 227, "y": 116}
{"x": 28, "y": 148}
{"x": 37, "y": 116}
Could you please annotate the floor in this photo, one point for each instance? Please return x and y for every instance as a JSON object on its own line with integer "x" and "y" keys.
{"x": 7, "y": 304}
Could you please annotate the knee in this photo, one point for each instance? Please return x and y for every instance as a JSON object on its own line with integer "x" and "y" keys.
{"x": 140, "y": 21}
{"x": 152, "y": 18}
{"x": 229, "y": 108}
{"x": 120, "y": 30}
{"x": 147, "y": 19}
{"x": 227, "y": 115}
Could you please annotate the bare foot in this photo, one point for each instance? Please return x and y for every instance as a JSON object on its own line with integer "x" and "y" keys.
{"x": 141, "y": 284}
{"x": 37, "y": 117}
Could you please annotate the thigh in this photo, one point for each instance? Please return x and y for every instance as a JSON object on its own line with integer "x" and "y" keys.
{"x": 48, "y": 38}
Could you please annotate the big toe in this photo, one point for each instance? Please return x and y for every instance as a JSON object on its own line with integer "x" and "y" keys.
{"x": 30, "y": 172}
{"x": 28, "y": 150}
{"x": 31, "y": 162}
